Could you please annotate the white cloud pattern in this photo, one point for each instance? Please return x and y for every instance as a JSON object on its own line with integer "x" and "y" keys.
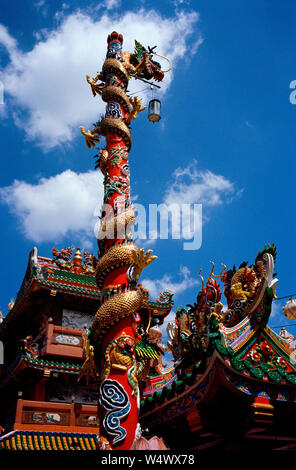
{"x": 166, "y": 282}
{"x": 56, "y": 207}
{"x": 47, "y": 87}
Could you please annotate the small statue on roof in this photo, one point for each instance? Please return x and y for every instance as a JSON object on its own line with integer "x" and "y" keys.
{"x": 11, "y": 303}
{"x": 63, "y": 259}
{"x": 65, "y": 254}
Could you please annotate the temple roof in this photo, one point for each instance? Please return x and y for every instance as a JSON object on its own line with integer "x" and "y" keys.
{"x": 251, "y": 358}
{"x": 25, "y": 363}
{"x": 38, "y": 440}
{"x": 64, "y": 275}
{"x": 54, "y": 366}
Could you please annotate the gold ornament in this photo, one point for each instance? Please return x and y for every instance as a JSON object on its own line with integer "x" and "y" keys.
{"x": 88, "y": 369}
{"x": 90, "y": 139}
{"x": 96, "y": 89}
{"x": 142, "y": 260}
{"x": 113, "y": 310}
{"x": 136, "y": 109}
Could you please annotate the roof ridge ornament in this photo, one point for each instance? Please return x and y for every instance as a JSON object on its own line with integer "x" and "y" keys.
{"x": 78, "y": 265}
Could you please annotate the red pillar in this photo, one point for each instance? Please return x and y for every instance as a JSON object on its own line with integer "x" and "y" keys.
{"x": 114, "y": 348}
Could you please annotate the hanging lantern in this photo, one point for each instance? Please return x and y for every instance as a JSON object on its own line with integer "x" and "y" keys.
{"x": 154, "y": 110}
{"x": 290, "y": 309}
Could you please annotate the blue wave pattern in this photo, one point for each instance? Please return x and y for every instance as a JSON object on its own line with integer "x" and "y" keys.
{"x": 114, "y": 398}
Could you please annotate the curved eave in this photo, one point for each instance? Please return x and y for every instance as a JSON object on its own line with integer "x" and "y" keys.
{"x": 179, "y": 390}
{"x": 278, "y": 343}
{"x": 53, "y": 366}
{"x": 248, "y": 329}
{"x": 243, "y": 333}
{"x": 23, "y": 363}
{"x": 25, "y": 288}
{"x": 52, "y": 441}
{"x": 247, "y": 376}
{"x": 282, "y": 347}
{"x": 160, "y": 310}
{"x": 218, "y": 373}
{"x": 71, "y": 289}
{"x": 17, "y": 306}
{"x": 46, "y": 286}
{"x": 12, "y": 372}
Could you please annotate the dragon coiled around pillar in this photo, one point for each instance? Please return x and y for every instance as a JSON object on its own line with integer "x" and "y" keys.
{"x": 119, "y": 333}
{"x": 113, "y": 310}
{"x": 114, "y": 77}
{"x": 111, "y": 84}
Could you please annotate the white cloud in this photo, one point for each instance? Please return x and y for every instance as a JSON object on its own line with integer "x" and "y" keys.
{"x": 49, "y": 92}
{"x": 110, "y": 4}
{"x": 202, "y": 187}
{"x": 179, "y": 3}
{"x": 184, "y": 207}
{"x": 186, "y": 281}
{"x": 191, "y": 186}
{"x": 65, "y": 205}
{"x": 56, "y": 207}
{"x": 166, "y": 282}
{"x": 39, "y": 4}
{"x": 41, "y": 7}
{"x": 7, "y": 41}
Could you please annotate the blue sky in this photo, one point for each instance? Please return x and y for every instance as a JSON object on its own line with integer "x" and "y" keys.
{"x": 227, "y": 134}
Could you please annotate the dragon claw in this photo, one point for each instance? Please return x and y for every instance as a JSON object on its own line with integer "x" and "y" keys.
{"x": 142, "y": 260}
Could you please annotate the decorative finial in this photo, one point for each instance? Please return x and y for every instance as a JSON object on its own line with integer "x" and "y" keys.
{"x": 11, "y": 303}
{"x": 77, "y": 258}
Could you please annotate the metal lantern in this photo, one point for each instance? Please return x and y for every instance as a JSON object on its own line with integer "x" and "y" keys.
{"x": 154, "y": 110}
{"x": 290, "y": 309}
